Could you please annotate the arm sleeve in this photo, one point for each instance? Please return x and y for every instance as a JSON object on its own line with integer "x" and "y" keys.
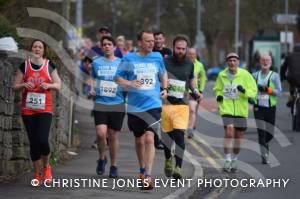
{"x": 51, "y": 67}
{"x": 218, "y": 88}
{"x": 124, "y": 70}
{"x": 202, "y": 73}
{"x": 93, "y": 72}
{"x": 191, "y": 73}
{"x": 276, "y": 81}
{"x": 251, "y": 87}
{"x": 22, "y": 68}
{"x": 162, "y": 67}
{"x": 283, "y": 69}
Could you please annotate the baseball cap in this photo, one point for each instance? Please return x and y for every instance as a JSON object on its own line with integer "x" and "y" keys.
{"x": 232, "y": 55}
{"x": 104, "y": 28}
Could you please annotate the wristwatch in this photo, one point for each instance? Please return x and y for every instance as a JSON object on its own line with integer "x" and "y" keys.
{"x": 162, "y": 89}
{"x": 195, "y": 90}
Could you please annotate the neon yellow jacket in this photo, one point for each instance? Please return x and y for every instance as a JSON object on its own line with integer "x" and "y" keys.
{"x": 239, "y": 105}
{"x": 200, "y": 75}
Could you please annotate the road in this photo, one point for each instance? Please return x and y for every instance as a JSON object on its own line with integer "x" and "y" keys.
{"x": 203, "y": 161}
{"x": 284, "y": 148}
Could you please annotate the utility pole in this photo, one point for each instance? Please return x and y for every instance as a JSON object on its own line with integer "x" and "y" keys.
{"x": 66, "y": 4}
{"x": 79, "y": 18}
{"x": 200, "y": 38}
{"x": 237, "y": 26}
{"x": 158, "y": 14}
{"x": 198, "y": 19}
{"x": 286, "y": 28}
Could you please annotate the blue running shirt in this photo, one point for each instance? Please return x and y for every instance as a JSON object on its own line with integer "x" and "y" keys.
{"x": 148, "y": 69}
{"x": 107, "y": 91}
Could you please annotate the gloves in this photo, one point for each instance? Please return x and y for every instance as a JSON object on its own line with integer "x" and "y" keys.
{"x": 219, "y": 98}
{"x": 262, "y": 88}
{"x": 265, "y": 89}
{"x": 269, "y": 90}
{"x": 241, "y": 89}
{"x": 251, "y": 101}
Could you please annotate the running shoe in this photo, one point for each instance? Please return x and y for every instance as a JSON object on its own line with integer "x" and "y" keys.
{"x": 265, "y": 159}
{"x": 113, "y": 172}
{"x": 141, "y": 176}
{"x": 148, "y": 183}
{"x": 101, "y": 166}
{"x": 37, "y": 179}
{"x": 227, "y": 166}
{"x": 168, "y": 167}
{"x": 48, "y": 175}
{"x": 234, "y": 165}
{"x": 177, "y": 173}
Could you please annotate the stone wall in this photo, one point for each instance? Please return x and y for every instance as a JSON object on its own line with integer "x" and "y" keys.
{"x": 14, "y": 146}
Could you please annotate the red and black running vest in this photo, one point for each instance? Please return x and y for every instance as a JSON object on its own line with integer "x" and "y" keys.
{"x": 36, "y": 100}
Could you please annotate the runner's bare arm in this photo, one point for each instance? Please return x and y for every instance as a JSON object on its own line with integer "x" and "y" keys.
{"x": 126, "y": 83}
{"x": 56, "y": 80}
{"x": 92, "y": 84}
{"x": 20, "y": 84}
{"x": 164, "y": 85}
{"x": 56, "y": 85}
{"x": 193, "y": 87}
{"x": 164, "y": 81}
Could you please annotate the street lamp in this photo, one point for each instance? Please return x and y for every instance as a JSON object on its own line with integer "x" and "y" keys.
{"x": 237, "y": 25}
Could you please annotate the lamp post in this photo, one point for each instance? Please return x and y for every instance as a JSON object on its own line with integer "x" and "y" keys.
{"x": 286, "y": 28}
{"x": 237, "y": 25}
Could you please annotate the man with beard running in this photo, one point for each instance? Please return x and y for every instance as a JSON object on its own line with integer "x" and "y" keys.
{"x": 175, "y": 111}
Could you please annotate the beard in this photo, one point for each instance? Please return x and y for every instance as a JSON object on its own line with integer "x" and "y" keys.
{"x": 179, "y": 56}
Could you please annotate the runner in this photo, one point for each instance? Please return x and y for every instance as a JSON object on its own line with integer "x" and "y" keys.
{"x": 233, "y": 87}
{"x": 269, "y": 87}
{"x": 159, "y": 46}
{"x": 36, "y": 77}
{"x": 109, "y": 109}
{"x": 97, "y": 49}
{"x": 200, "y": 76}
{"x": 144, "y": 72}
{"x": 175, "y": 111}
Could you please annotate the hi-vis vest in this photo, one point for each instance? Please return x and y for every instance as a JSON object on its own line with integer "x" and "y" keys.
{"x": 271, "y": 98}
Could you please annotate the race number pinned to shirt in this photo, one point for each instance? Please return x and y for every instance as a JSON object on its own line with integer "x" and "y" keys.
{"x": 147, "y": 80}
{"x": 230, "y": 91}
{"x": 263, "y": 96}
{"x": 108, "y": 88}
{"x": 35, "y": 100}
{"x": 176, "y": 88}
{"x": 263, "y": 99}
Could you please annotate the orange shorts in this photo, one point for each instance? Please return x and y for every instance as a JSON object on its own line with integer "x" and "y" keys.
{"x": 174, "y": 117}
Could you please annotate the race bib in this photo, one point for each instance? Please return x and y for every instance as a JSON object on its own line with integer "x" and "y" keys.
{"x": 176, "y": 88}
{"x": 147, "y": 80}
{"x": 35, "y": 100}
{"x": 263, "y": 96}
{"x": 108, "y": 88}
{"x": 230, "y": 91}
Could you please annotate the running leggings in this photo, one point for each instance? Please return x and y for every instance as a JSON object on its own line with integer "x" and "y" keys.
{"x": 265, "y": 122}
{"x": 38, "y": 128}
{"x": 168, "y": 139}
